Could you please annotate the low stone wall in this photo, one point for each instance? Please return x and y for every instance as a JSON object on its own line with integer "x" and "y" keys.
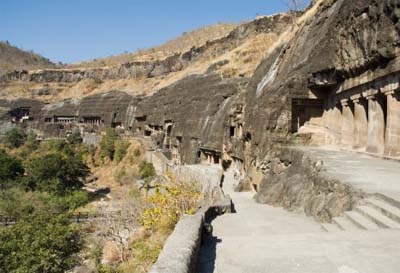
{"x": 180, "y": 252}
{"x": 207, "y": 176}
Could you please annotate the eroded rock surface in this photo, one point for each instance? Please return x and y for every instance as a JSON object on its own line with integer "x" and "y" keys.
{"x": 293, "y": 181}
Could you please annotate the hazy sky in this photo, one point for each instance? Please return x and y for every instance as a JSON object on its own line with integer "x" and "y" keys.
{"x": 76, "y": 30}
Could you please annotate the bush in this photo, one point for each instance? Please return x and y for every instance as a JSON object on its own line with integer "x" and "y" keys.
{"x": 39, "y": 244}
{"x": 54, "y": 145}
{"x": 10, "y": 169}
{"x": 121, "y": 148}
{"x": 39, "y": 202}
{"x": 137, "y": 152}
{"x": 75, "y": 138}
{"x": 168, "y": 203}
{"x": 11, "y": 205}
{"x": 31, "y": 141}
{"x": 14, "y": 138}
{"x": 147, "y": 171}
{"x": 56, "y": 173}
{"x": 121, "y": 176}
{"x": 107, "y": 144}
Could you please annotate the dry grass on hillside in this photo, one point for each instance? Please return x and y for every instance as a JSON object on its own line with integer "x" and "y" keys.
{"x": 243, "y": 60}
{"x": 182, "y": 43}
{"x": 120, "y": 177}
{"x": 12, "y": 58}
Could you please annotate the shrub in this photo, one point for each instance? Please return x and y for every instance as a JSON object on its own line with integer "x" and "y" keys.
{"x": 31, "y": 141}
{"x": 11, "y": 205}
{"x": 137, "y": 152}
{"x": 75, "y": 138}
{"x": 68, "y": 202}
{"x": 39, "y": 244}
{"x": 39, "y": 202}
{"x": 10, "y": 169}
{"x": 168, "y": 203}
{"x": 55, "y": 145}
{"x": 145, "y": 251}
{"x": 56, "y": 173}
{"x": 14, "y": 138}
{"x": 147, "y": 171}
{"x": 121, "y": 148}
{"x": 107, "y": 144}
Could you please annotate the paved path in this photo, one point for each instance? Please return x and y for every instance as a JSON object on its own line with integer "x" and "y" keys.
{"x": 261, "y": 238}
{"x": 371, "y": 174}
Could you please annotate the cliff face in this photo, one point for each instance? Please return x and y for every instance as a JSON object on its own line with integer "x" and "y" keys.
{"x": 149, "y": 69}
{"x": 335, "y": 44}
{"x": 185, "y": 116}
{"x": 342, "y": 41}
{"x": 191, "y": 113}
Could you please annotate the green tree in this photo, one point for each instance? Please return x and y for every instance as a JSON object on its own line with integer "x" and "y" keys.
{"x": 107, "y": 144}
{"x": 56, "y": 173}
{"x": 35, "y": 202}
{"x": 39, "y": 243}
{"x": 10, "y": 169}
{"x": 14, "y": 138}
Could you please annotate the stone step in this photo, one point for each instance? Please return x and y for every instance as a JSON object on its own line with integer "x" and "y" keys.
{"x": 360, "y": 220}
{"x": 344, "y": 224}
{"x": 377, "y": 217}
{"x": 330, "y": 227}
{"x": 392, "y": 201}
{"x": 385, "y": 208}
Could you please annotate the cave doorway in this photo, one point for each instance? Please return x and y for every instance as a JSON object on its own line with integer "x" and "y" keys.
{"x": 306, "y": 111}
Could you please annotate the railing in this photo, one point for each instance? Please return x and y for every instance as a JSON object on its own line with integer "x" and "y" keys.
{"x": 76, "y": 217}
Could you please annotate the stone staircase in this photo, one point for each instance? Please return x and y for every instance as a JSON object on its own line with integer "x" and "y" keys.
{"x": 377, "y": 212}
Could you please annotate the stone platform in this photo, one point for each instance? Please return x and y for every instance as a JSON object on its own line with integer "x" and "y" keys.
{"x": 261, "y": 238}
{"x": 368, "y": 173}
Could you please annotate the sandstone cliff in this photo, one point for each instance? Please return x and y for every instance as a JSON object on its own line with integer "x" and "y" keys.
{"x": 338, "y": 50}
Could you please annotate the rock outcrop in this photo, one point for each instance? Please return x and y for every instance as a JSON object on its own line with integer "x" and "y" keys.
{"x": 294, "y": 182}
{"x": 149, "y": 69}
{"x": 343, "y": 42}
{"x": 342, "y": 52}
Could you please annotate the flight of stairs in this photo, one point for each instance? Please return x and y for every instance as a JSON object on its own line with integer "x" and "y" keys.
{"x": 376, "y": 212}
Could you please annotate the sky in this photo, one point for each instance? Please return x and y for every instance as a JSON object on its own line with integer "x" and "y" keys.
{"x": 76, "y": 30}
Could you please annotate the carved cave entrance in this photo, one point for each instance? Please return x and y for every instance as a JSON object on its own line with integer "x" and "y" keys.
{"x": 306, "y": 111}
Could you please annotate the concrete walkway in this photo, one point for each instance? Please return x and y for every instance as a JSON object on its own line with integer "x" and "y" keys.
{"x": 371, "y": 174}
{"x": 261, "y": 238}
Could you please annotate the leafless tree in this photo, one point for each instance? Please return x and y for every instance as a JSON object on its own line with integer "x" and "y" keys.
{"x": 294, "y": 7}
{"x": 118, "y": 226}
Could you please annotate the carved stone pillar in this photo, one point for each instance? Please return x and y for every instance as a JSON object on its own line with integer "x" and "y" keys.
{"x": 347, "y": 124}
{"x": 333, "y": 123}
{"x": 376, "y": 126}
{"x": 360, "y": 123}
{"x": 392, "y": 141}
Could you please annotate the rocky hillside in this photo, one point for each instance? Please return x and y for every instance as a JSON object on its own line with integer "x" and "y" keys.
{"x": 13, "y": 58}
{"x": 341, "y": 41}
{"x": 185, "y": 42}
{"x": 234, "y": 55}
{"x": 217, "y": 103}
